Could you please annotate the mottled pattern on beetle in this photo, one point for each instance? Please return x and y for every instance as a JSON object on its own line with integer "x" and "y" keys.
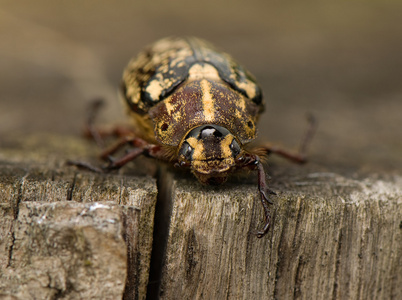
{"x": 160, "y": 69}
{"x": 229, "y": 70}
{"x": 153, "y": 73}
{"x": 202, "y": 102}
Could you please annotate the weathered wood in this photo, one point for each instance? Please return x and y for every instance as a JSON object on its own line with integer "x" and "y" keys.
{"x": 61, "y": 250}
{"x": 333, "y": 237}
{"x": 68, "y": 234}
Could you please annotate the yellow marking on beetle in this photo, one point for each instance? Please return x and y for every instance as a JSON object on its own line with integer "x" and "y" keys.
{"x": 155, "y": 87}
{"x": 248, "y": 87}
{"x": 164, "y": 68}
{"x": 242, "y": 104}
{"x": 133, "y": 92}
{"x": 198, "y": 146}
{"x": 180, "y": 56}
{"x": 203, "y": 71}
{"x": 213, "y": 166}
{"x": 169, "y": 106}
{"x": 238, "y": 114}
{"x": 192, "y": 141}
{"x": 207, "y": 101}
{"x": 225, "y": 146}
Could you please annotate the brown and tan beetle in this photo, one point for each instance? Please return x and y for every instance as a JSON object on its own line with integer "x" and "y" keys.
{"x": 196, "y": 108}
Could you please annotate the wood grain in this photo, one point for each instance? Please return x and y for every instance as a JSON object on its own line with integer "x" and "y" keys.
{"x": 69, "y": 234}
{"x": 333, "y": 237}
{"x": 73, "y": 235}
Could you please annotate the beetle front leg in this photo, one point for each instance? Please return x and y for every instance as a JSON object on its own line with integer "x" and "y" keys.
{"x": 265, "y": 201}
{"x": 253, "y": 162}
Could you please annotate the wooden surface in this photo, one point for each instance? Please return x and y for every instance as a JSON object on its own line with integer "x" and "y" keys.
{"x": 148, "y": 231}
{"x": 333, "y": 237}
{"x": 68, "y": 234}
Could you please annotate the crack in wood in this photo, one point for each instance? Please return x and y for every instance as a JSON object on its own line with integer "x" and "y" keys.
{"x": 71, "y": 187}
{"x": 11, "y": 248}
{"x": 338, "y": 257}
{"x": 299, "y": 208}
{"x": 130, "y": 224}
{"x": 163, "y": 211}
{"x": 279, "y": 263}
{"x": 296, "y": 290}
{"x": 16, "y": 210}
{"x": 191, "y": 249}
{"x": 228, "y": 289}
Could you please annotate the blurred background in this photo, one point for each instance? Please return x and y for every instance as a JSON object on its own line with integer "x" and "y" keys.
{"x": 341, "y": 61}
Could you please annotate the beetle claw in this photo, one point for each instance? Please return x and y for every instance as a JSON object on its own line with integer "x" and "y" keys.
{"x": 267, "y": 225}
{"x": 267, "y": 213}
{"x": 271, "y": 192}
{"x": 264, "y": 196}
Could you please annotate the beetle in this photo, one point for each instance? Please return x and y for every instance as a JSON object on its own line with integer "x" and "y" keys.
{"x": 197, "y": 108}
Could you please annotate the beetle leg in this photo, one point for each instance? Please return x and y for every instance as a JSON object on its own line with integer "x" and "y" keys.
{"x": 150, "y": 150}
{"x": 113, "y": 163}
{"x": 90, "y": 130}
{"x": 253, "y": 162}
{"x": 299, "y": 157}
{"x": 118, "y": 163}
{"x": 84, "y": 165}
{"x": 133, "y": 141}
{"x": 262, "y": 183}
{"x": 265, "y": 201}
{"x": 98, "y": 134}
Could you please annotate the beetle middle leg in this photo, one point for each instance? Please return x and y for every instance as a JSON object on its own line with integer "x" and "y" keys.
{"x": 139, "y": 147}
{"x": 127, "y": 138}
{"x": 147, "y": 149}
{"x": 98, "y": 134}
{"x": 300, "y": 156}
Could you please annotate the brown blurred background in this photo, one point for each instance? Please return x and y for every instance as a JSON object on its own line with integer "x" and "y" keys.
{"x": 342, "y": 61}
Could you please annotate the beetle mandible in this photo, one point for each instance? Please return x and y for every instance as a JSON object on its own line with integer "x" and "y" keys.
{"x": 196, "y": 108}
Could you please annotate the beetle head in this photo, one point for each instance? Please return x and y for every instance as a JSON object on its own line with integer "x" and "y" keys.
{"x": 210, "y": 151}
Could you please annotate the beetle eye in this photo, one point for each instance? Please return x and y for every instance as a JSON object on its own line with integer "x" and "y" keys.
{"x": 235, "y": 147}
{"x": 187, "y": 151}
